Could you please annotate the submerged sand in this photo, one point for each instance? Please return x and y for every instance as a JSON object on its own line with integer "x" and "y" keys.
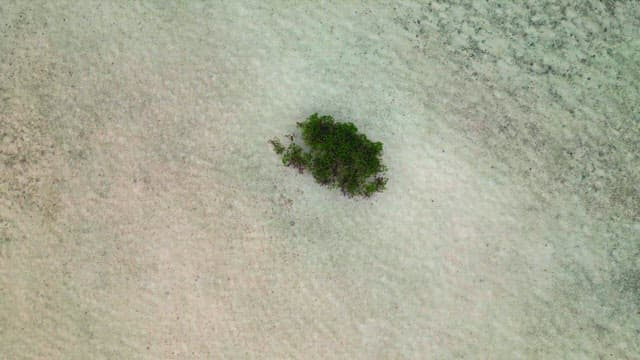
{"x": 143, "y": 213}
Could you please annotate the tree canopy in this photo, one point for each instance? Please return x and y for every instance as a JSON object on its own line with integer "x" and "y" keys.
{"x": 339, "y": 156}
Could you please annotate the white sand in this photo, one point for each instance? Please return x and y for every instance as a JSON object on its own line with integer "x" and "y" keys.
{"x": 144, "y": 215}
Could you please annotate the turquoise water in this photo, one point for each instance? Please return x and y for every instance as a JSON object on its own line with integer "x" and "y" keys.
{"x": 143, "y": 213}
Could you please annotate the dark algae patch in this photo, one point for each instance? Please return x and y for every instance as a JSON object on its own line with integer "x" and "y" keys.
{"x": 339, "y": 156}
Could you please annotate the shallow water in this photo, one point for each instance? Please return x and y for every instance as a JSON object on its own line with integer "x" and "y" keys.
{"x": 143, "y": 213}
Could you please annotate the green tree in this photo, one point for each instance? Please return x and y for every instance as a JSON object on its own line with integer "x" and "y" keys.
{"x": 339, "y": 156}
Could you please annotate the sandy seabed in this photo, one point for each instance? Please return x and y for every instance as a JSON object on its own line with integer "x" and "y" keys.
{"x": 143, "y": 214}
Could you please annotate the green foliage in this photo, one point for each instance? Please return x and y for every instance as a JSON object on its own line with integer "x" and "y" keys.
{"x": 339, "y": 156}
{"x": 277, "y": 146}
{"x": 296, "y": 157}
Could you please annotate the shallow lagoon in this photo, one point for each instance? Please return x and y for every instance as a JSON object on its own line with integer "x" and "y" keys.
{"x": 143, "y": 213}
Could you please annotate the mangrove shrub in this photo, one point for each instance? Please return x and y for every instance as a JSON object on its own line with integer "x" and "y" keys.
{"x": 338, "y": 156}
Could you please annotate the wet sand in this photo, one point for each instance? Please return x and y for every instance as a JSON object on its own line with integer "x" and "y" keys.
{"x": 144, "y": 215}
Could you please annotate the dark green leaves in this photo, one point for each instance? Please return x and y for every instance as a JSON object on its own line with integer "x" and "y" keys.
{"x": 339, "y": 156}
{"x": 277, "y": 146}
{"x": 296, "y": 157}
